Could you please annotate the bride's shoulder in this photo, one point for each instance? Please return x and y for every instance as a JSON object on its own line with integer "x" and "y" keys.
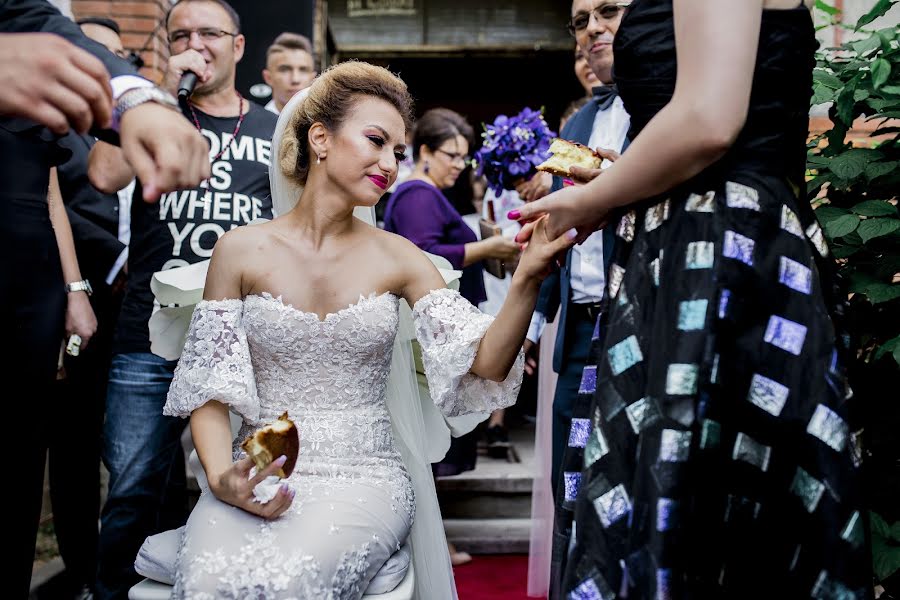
{"x": 398, "y": 247}
{"x": 414, "y": 273}
{"x": 241, "y": 245}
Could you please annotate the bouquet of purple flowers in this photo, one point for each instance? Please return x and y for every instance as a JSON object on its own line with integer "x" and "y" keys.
{"x": 513, "y": 147}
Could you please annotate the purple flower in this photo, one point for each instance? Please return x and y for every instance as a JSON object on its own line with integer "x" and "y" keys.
{"x": 512, "y": 147}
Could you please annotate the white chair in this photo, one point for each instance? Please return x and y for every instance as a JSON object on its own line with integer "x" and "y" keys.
{"x": 154, "y": 590}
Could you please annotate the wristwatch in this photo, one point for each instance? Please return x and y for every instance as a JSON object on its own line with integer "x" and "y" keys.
{"x": 139, "y": 95}
{"x": 80, "y": 286}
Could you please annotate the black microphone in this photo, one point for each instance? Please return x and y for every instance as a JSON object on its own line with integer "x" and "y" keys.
{"x": 186, "y": 85}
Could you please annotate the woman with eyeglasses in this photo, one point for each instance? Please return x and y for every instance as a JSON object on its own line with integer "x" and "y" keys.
{"x": 419, "y": 211}
{"x": 721, "y": 453}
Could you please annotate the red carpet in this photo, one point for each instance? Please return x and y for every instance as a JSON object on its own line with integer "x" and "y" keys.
{"x": 493, "y": 577}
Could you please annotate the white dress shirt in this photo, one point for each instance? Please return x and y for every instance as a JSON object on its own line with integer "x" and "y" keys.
{"x": 124, "y": 232}
{"x": 586, "y": 277}
{"x": 270, "y": 106}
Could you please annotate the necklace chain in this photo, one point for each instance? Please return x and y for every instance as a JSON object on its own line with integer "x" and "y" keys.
{"x": 237, "y": 128}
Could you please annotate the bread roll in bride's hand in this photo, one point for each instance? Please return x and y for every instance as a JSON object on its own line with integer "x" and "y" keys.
{"x": 540, "y": 251}
{"x": 565, "y": 210}
{"x": 235, "y": 487}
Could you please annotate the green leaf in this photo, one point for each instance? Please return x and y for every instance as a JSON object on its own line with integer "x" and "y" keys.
{"x": 841, "y": 226}
{"x": 822, "y": 94}
{"x": 882, "y": 292}
{"x": 880, "y": 8}
{"x": 890, "y": 89}
{"x": 845, "y": 104}
{"x": 849, "y": 165}
{"x": 859, "y": 281}
{"x": 860, "y": 94}
{"x": 844, "y": 251}
{"x": 883, "y": 106}
{"x": 881, "y": 70}
{"x": 830, "y": 213}
{"x": 873, "y": 42}
{"x": 888, "y": 33}
{"x": 813, "y": 185}
{"x": 877, "y": 169}
{"x": 826, "y": 8}
{"x": 827, "y": 79}
{"x": 875, "y": 208}
{"x": 877, "y": 227}
{"x": 892, "y": 346}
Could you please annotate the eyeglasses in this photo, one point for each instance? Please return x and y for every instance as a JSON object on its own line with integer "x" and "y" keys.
{"x": 604, "y": 12}
{"x": 207, "y": 34}
{"x": 456, "y": 157}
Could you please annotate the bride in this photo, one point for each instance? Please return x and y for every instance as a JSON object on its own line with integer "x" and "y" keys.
{"x": 300, "y": 315}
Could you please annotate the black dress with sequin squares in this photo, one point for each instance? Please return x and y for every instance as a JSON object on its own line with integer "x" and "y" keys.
{"x": 716, "y": 453}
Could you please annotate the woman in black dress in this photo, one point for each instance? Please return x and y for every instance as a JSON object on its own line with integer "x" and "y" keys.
{"x": 719, "y": 444}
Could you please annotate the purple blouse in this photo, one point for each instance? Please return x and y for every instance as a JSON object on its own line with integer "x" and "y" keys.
{"x": 422, "y": 214}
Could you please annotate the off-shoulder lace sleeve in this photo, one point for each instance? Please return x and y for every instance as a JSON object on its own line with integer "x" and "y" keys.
{"x": 215, "y": 363}
{"x": 449, "y": 330}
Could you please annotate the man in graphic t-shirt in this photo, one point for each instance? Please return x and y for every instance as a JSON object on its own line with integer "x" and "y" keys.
{"x": 141, "y": 446}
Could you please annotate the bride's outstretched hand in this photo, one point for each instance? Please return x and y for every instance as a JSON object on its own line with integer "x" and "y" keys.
{"x": 235, "y": 487}
{"x": 541, "y": 249}
{"x": 567, "y": 209}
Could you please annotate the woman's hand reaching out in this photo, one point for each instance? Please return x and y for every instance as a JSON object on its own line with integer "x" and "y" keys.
{"x": 565, "y": 210}
{"x": 568, "y": 208}
{"x": 235, "y": 487}
{"x": 539, "y": 253}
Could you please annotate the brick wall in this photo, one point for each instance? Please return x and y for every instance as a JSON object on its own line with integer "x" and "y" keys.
{"x": 137, "y": 18}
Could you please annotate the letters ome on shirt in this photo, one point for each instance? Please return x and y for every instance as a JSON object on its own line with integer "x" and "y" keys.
{"x": 237, "y": 192}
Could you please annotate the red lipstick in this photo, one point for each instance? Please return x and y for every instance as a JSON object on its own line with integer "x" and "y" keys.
{"x": 379, "y": 180}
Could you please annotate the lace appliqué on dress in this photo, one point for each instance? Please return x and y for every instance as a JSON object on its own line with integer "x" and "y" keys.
{"x": 215, "y": 364}
{"x": 450, "y": 329}
{"x": 260, "y": 569}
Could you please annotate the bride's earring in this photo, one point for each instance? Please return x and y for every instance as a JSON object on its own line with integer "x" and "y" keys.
{"x": 318, "y": 159}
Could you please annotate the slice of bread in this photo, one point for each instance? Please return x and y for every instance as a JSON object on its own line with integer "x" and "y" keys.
{"x": 271, "y": 441}
{"x": 566, "y": 154}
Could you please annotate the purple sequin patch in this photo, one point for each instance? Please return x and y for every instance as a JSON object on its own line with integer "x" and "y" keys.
{"x": 571, "y": 481}
{"x": 579, "y": 433}
{"x": 738, "y": 247}
{"x": 588, "y": 380}
{"x": 796, "y": 276}
{"x": 786, "y": 334}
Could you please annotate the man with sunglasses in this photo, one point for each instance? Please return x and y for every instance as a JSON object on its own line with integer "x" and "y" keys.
{"x": 141, "y": 446}
{"x": 576, "y": 290}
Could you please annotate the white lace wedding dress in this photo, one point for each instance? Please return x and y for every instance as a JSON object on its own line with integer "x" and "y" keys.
{"x": 354, "y": 503}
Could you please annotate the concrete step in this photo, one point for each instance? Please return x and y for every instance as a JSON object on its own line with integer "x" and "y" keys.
{"x": 484, "y": 505}
{"x": 496, "y": 489}
{"x": 489, "y": 536}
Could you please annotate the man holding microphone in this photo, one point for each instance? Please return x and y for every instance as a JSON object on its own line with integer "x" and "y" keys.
{"x": 141, "y": 446}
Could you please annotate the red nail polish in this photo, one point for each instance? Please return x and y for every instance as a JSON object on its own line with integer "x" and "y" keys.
{"x": 568, "y": 182}
{"x": 514, "y": 215}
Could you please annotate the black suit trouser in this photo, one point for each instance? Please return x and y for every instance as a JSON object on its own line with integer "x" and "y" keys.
{"x": 32, "y": 304}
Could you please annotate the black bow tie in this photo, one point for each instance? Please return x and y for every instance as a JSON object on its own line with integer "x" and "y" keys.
{"x": 604, "y": 95}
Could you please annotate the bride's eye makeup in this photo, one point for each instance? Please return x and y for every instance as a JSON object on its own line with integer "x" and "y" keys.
{"x": 377, "y": 140}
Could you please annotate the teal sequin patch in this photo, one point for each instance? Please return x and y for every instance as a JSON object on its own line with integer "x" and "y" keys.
{"x": 710, "y": 434}
{"x": 681, "y": 379}
{"x": 692, "y": 314}
{"x": 624, "y": 355}
{"x": 808, "y": 489}
{"x": 700, "y": 255}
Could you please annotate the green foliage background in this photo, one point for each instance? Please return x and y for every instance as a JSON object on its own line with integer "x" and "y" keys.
{"x": 854, "y": 188}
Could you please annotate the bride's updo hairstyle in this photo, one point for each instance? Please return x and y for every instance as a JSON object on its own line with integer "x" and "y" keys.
{"x": 331, "y": 97}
